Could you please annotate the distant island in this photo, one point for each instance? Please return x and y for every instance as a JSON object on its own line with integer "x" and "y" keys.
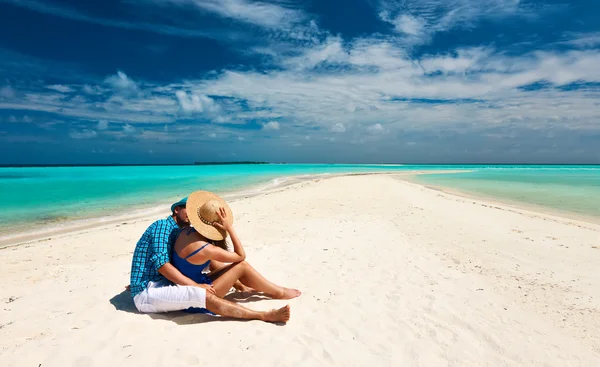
{"x": 221, "y": 163}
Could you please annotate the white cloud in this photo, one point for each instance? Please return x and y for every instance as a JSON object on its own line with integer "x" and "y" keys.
{"x": 27, "y": 119}
{"x": 375, "y": 129}
{"x": 128, "y": 129}
{"x": 83, "y": 134}
{"x": 12, "y": 119}
{"x": 199, "y": 103}
{"x": 7, "y": 92}
{"x": 418, "y": 20}
{"x": 60, "y": 88}
{"x": 102, "y": 125}
{"x": 212, "y": 135}
{"x": 357, "y": 86}
{"x": 121, "y": 83}
{"x": 91, "y": 89}
{"x": 271, "y": 125}
{"x": 403, "y": 23}
{"x": 254, "y": 12}
{"x": 338, "y": 127}
{"x": 584, "y": 40}
{"x": 330, "y": 51}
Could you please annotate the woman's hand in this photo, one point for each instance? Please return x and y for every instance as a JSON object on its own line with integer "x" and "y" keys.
{"x": 209, "y": 288}
{"x": 224, "y": 221}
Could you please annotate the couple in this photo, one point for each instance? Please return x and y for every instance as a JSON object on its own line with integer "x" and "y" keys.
{"x": 168, "y": 271}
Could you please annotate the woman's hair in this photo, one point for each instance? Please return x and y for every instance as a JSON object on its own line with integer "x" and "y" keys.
{"x": 222, "y": 244}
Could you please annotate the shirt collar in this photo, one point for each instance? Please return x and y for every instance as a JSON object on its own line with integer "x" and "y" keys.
{"x": 172, "y": 221}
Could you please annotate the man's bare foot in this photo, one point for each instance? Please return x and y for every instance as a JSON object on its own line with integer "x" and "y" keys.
{"x": 281, "y": 315}
{"x": 288, "y": 293}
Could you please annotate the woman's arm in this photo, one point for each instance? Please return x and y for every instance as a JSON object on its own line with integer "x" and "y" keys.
{"x": 218, "y": 253}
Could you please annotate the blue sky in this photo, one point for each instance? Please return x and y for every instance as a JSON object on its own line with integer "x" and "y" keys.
{"x": 374, "y": 81}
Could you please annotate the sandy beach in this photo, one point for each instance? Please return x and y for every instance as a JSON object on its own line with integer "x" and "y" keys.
{"x": 392, "y": 274}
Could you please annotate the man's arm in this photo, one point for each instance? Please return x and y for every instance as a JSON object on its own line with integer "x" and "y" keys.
{"x": 161, "y": 260}
{"x": 171, "y": 273}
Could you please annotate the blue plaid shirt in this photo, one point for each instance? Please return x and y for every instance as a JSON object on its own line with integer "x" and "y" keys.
{"x": 151, "y": 252}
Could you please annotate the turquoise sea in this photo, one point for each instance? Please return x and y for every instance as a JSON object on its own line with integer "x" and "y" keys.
{"x": 573, "y": 189}
{"x": 39, "y": 196}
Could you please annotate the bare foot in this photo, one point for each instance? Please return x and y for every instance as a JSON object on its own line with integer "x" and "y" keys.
{"x": 288, "y": 293}
{"x": 281, "y": 315}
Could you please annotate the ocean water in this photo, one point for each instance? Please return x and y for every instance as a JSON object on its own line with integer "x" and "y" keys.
{"x": 40, "y": 196}
{"x": 573, "y": 189}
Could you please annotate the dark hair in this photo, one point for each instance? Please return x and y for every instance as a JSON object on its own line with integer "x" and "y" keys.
{"x": 222, "y": 244}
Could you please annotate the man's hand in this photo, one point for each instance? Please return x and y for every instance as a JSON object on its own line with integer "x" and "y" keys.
{"x": 208, "y": 288}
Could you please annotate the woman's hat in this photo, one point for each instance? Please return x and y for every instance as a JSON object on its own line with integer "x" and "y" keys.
{"x": 202, "y": 208}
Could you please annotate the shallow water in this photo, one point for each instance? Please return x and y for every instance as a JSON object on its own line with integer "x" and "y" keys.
{"x": 575, "y": 189}
{"x": 39, "y": 196}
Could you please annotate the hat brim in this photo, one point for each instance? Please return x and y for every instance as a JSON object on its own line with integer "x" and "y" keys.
{"x": 194, "y": 202}
{"x": 175, "y": 205}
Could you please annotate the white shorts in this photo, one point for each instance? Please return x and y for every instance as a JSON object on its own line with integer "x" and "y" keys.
{"x": 164, "y": 296}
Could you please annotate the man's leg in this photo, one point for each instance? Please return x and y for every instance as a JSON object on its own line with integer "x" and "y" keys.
{"x": 225, "y": 308}
{"x": 164, "y": 297}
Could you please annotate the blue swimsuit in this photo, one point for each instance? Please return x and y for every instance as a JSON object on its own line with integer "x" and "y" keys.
{"x": 192, "y": 271}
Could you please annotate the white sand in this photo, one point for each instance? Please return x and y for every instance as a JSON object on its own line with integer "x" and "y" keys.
{"x": 392, "y": 273}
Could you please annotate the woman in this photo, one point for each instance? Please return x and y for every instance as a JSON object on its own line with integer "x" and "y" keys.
{"x": 195, "y": 249}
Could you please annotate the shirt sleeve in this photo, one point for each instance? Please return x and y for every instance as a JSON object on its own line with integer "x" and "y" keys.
{"x": 160, "y": 246}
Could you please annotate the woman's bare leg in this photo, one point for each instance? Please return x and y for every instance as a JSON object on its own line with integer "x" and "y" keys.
{"x": 245, "y": 273}
{"x": 225, "y": 308}
{"x": 216, "y": 270}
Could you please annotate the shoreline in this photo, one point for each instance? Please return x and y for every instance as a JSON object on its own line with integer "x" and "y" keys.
{"x": 508, "y": 204}
{"x": 45, "y": 233}
{"x": 381, "y": 262}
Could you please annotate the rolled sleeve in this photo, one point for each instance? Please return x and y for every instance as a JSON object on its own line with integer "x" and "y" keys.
{"x": 158, "y": 260}
{"x": 160, "y": 247}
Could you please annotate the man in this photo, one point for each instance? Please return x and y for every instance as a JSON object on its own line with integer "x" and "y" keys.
{"x": 157, "y": 286}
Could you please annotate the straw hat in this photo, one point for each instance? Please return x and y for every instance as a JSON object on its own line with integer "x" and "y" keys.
{"x": 202, "y": 208}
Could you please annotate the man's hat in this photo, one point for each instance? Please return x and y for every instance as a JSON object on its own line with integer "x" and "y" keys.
{"x": 181, "y": 202}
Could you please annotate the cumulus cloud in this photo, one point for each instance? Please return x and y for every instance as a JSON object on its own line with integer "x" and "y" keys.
{"x": 102, "y": 125}
{"x": 271, "y": 125}
{"x": 338, "y": 127}
{"x": 199, "y": 103}
{"x": 121, "y": 83}
{"x": 83, "y": 134}
{"x": 404, "y": 23}
{"x": 128, "y": 129}
{"x": 375, "y": 129}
